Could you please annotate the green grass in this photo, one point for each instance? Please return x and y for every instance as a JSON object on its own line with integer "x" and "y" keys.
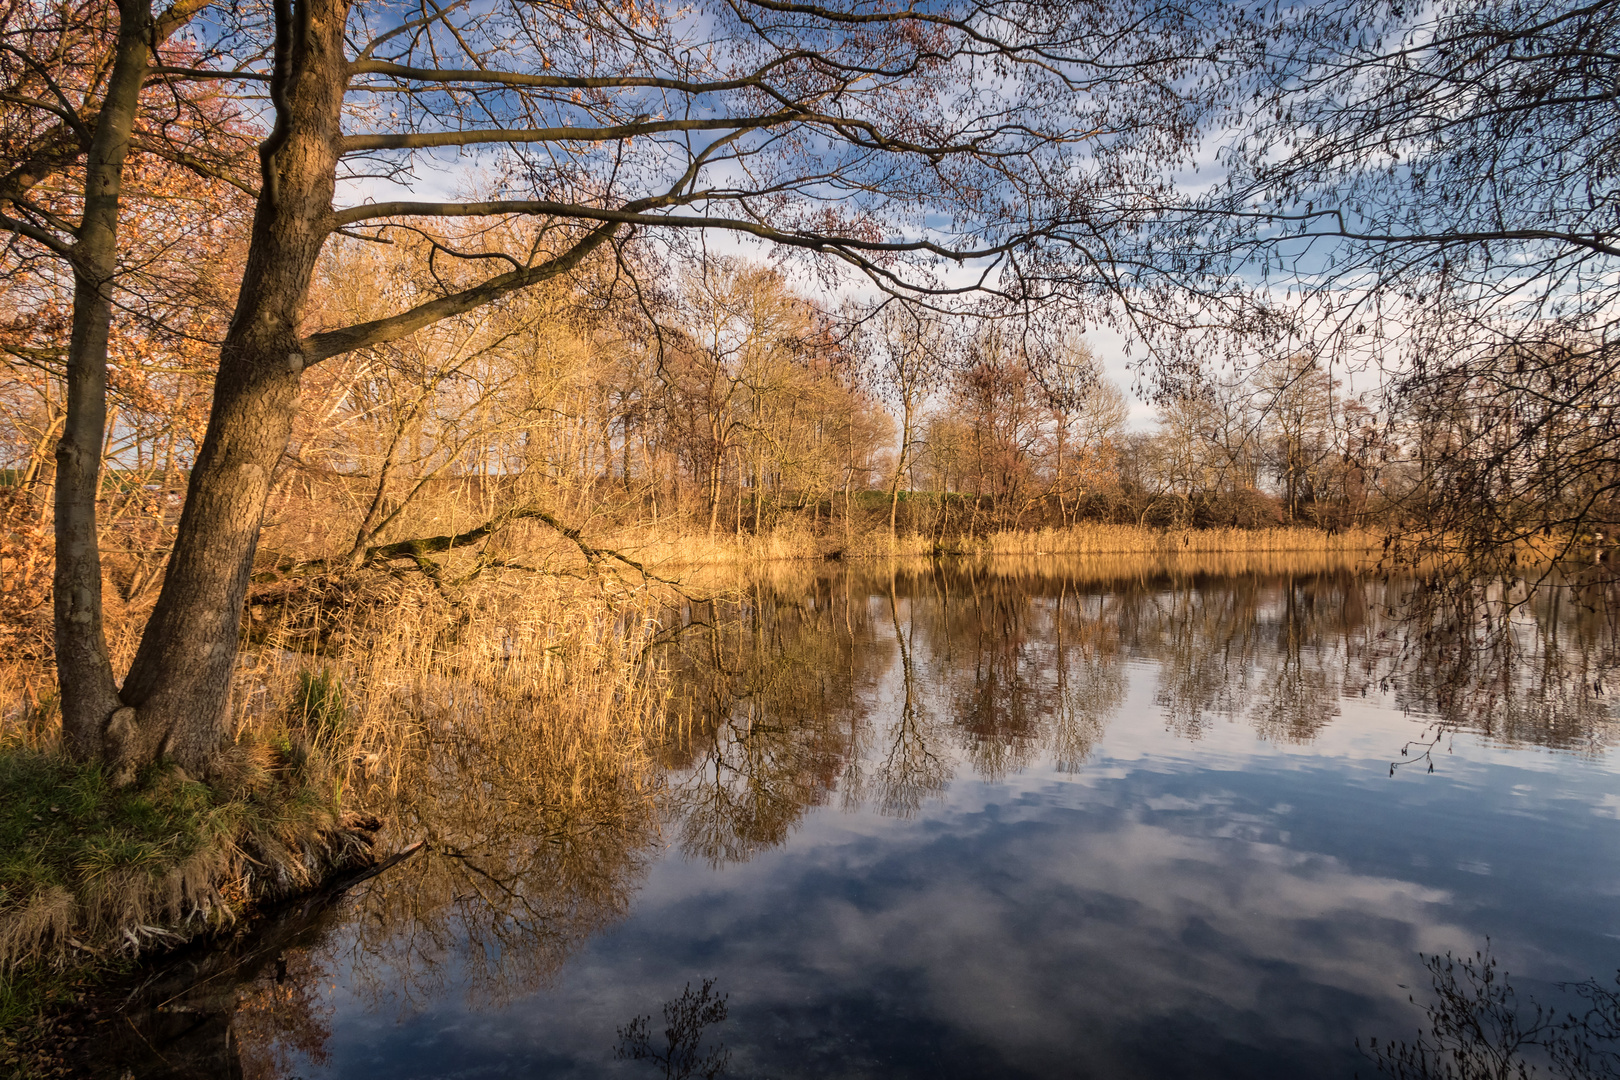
{"x": 88, "y": 866}
{"x": 63, "y": 824}
{"x": 319, "y": 703}
{"x": 79, "y": 862}
{"x": 92, "y": 874}
{"x": 27, "y": 991}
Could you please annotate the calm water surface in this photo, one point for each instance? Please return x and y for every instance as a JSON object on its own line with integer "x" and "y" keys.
{"x": 1036, "y": 821}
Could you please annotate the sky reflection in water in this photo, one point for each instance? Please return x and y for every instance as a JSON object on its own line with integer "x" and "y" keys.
{"x": 959, "y": 824}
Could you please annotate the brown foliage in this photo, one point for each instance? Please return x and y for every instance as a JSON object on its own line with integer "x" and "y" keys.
{"x": 25, "y": 577}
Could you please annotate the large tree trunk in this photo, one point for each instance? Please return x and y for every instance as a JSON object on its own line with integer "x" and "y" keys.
{"x": 180, "y": 682}
{"x": 84, "y": 670}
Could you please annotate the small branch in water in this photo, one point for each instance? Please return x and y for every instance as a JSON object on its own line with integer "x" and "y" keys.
{"x": 372, "y": 871}
{"x": 1427, "y": 755}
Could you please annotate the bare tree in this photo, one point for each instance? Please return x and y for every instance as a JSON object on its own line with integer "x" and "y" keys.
{"x": 906, "y": 349}
{"x": 1435, "y": 186}
{"x": 1299, "y": 423}
{"x": 1089, "y": 413}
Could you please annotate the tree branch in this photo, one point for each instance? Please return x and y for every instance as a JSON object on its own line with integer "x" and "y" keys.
{"x": 418, "y": 550}
{"x": 330, "y": 343}
{"x": 427, "y": 139}
{"x": 39, "y": 236}
{"x": 559, "y": 82}
{"x": 634, "y": 214}
{"x": 209, "y": 73}
{"x": 194, "y": 163}
{"x": 179, "y": 13}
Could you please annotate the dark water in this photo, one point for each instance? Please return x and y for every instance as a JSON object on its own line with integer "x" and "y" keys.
{"x": 1063, "y": 821}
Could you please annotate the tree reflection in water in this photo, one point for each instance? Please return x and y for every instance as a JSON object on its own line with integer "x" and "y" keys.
{"x": 876, "y": 687}
{"x": 1521, "y": 663}
{"x": 685, "y": 1019}
{"x": 1480, "y": 1029}
{"x": 879, "y": 685}
{"x": 772, "y": 693}
{"x": 280, "y": 1018}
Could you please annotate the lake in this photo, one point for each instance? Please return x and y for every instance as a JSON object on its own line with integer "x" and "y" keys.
{"x": 1093, "y": 819}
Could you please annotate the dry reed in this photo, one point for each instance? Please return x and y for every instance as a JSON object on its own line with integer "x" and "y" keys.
{"x": 669, "y": 552}
{"x": 537, "y": 682}
{"x": 1099, "y": 539}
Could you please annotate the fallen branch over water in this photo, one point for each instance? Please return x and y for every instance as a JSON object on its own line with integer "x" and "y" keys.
{"x": 418, "y": 549}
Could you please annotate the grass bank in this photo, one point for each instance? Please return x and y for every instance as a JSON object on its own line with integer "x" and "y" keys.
{"x": 93, "y": 876}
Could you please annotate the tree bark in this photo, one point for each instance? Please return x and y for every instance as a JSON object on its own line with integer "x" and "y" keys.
{"x": 180, "y": 681}
{"x": 84, "y": 669}
{"x": 902, "y": 462}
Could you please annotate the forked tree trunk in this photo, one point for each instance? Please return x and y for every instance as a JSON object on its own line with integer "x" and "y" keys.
{"x": 89, "y": 692}
{"x": 180, "y": 681}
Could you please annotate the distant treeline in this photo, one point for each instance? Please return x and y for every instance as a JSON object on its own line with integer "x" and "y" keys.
{"x": 729, "y": 404}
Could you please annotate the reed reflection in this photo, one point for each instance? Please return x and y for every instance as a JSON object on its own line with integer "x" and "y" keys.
{"x": 1479, "y": 1028}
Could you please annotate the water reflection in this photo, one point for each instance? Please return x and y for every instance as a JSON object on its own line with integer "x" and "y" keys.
{"x": 1521, "y": 664}
{"x": 1478, "y": 1027}
{"x": 772, "y": 695}
{"x": 997, "y": 669}
{"x": 681, "y": 1052}
{"x": 1174, "y": 881}
{"x": 912, "y": 764}
{"x": 280, "y": 1020}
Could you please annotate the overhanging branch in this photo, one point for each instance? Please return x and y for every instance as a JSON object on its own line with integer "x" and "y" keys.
{"x": 418, "y": 550}
{"x": 330, "y": 343}
{"x": 612, "y": 133}
{"x": 559, "y": 82}
{"x": 636, "y": 214}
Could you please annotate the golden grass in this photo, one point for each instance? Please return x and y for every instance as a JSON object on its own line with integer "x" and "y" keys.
{"x": 514, "y": 728}
{"x": 537, "y": 677}
{"x": 317, "y": 523}
{"x": 1097, "y": 539}
{"x": 670, "y": 553}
